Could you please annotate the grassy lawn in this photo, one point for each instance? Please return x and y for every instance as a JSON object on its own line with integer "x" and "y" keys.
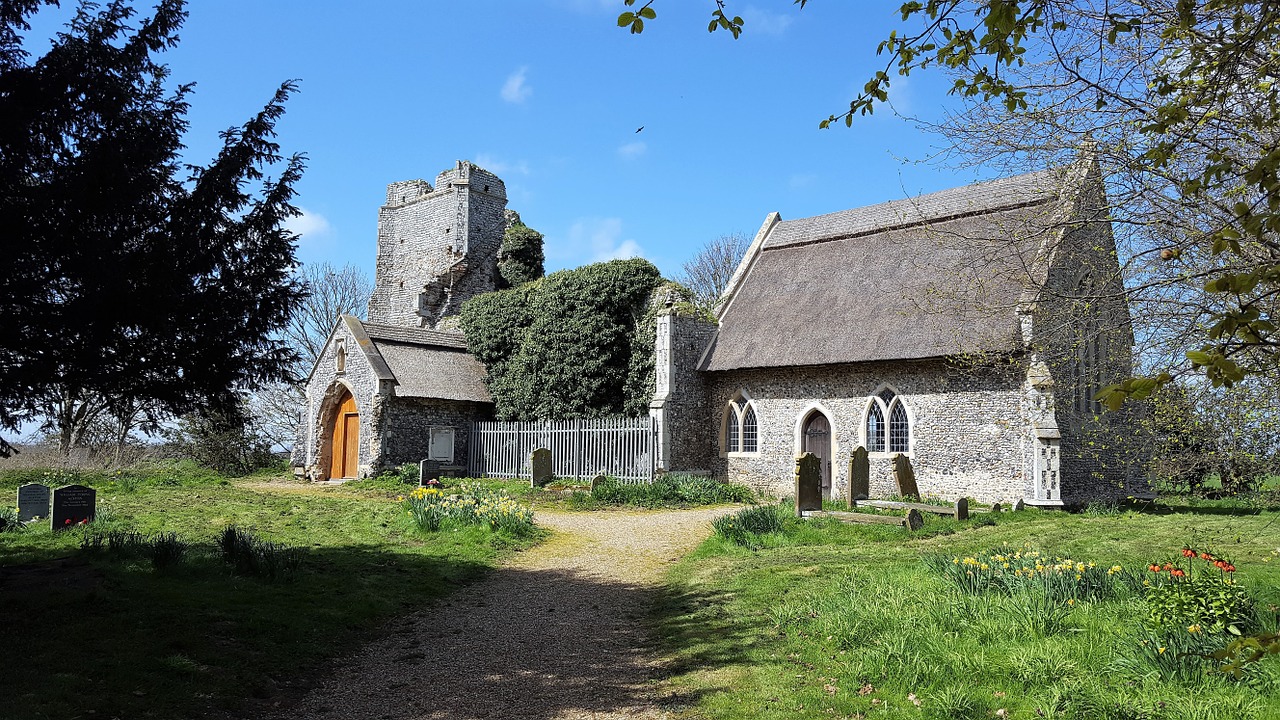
{"x": 829, "y": 620}
{"x": 92, "y": 635}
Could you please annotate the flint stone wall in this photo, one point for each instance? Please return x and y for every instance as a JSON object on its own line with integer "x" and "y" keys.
{"x": 437, "y": 246}
{"x": 970, "y": 433}
{"x": 325, "y": 386}
{"x": 680, "y": 403}
{"x": 407, "y": 423}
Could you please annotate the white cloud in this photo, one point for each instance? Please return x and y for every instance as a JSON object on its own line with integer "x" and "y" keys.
{"x": 312, "y": 226}
{"x": 593, "y": 240}
{"x": 514, "y": 90}
{"x": 765, "y": 22}
{"x": 633, "y": 150}
{"x": 501, "y": 168}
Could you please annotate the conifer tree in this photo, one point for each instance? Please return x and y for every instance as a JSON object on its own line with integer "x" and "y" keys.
{"x": 131, "y": 275}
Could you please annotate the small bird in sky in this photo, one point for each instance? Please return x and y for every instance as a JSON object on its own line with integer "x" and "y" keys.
{"x": 639, "y": 128}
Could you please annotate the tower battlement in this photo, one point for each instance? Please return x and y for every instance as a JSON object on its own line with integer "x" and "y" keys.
{"x": 437, "y": 246}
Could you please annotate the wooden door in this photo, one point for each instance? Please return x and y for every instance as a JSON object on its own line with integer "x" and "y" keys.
{"x": 351, "y": 448}
{"x": 817, "y": 440}
{"x": 345, "y": 456}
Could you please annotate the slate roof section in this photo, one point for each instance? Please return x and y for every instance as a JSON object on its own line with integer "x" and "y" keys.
{"x": 934, "y": 276}
{"x": 426, "y": 363}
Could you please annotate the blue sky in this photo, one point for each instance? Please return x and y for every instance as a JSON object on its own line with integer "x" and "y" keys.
{"x": 549, "y": 95}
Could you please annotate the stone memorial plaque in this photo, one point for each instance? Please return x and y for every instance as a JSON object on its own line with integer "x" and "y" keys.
{"x": 905, "y": 477}
{"x": 33, "y": 502}
{"x": 808, "y": 483}
{"x": 859, "y": 475}
{"x": 540, "y": 467}
{"x": 72, "y": 505}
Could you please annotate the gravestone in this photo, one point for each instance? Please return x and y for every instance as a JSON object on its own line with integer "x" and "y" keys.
{"x": 72, "y": 505}
{"x": 33, "y": 502}
{"x": 540, "y": 467}
{"x": 1019, "y": 506}
{"x": 905, "y": 477}
{"x": 808, "y": 483}
{"x": 596, "y": 482}
{"x": 859, "y": 475}
{"x": 962, "y": 509}
{"x": 995, "y": 507}
{"x": 428, "y": 470}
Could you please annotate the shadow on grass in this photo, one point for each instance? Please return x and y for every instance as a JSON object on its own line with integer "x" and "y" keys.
{"x": 1241, "y": 507}
{"x": 115, "y": 638}
{"x": 358, "y": 633}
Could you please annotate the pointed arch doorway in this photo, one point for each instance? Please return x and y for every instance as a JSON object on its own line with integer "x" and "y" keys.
{"x": 815, "y": 437}
{"x": 344, "y": 461}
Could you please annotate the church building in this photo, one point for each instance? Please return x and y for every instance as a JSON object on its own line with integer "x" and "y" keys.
{"x": 967, "y": 329}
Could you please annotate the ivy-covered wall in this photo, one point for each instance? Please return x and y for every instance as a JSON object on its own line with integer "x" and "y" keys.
{"x": 577, "y": 343}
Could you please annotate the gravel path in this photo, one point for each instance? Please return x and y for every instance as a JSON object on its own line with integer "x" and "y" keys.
{"x": 558, "y": 632}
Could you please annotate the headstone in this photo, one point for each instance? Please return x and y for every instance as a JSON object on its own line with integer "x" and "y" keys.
{"x": 540, "y": 466}
{"x": 905, "y": 477}
{"x": 33, "y": 502}
{"x": 808, "y": 483}
{"x": 596, "y": 482}
{"x": 859, "y": 475}
{"x": 428, "y": 470}
{"x": 1019, "y": 506}
{"x": 962, "y": 509}
{"x": 72, "y": 505}
{"x": 914, "y": 520}
{"x": 995, "y": 507}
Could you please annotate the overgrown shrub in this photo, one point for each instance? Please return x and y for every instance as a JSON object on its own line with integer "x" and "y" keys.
{"x": 249, "y": 555}
{"x": 569, "y": 345}
{"x": 224, "y": 441}
{"x": 520, "y": 257}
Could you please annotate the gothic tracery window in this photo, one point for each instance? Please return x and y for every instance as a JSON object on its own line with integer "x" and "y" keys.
{"x": 741, "y": 432}
{"x": 894, "y": 435}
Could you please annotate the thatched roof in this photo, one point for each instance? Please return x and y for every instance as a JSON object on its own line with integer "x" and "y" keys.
{"x": 423, "y": 363}
{"x": 932, "y": 276}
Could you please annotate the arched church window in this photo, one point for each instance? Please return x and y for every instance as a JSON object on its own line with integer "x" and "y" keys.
{"x": 899, "y": 428}
{"x": 741, "y": 427}
{"x": 894, "y": 435}
{"x": 875, "y": 428}
{"x": 749, "y": 429}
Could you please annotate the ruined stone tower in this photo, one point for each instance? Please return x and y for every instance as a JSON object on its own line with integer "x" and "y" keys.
{"x": 437, "y": 247}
